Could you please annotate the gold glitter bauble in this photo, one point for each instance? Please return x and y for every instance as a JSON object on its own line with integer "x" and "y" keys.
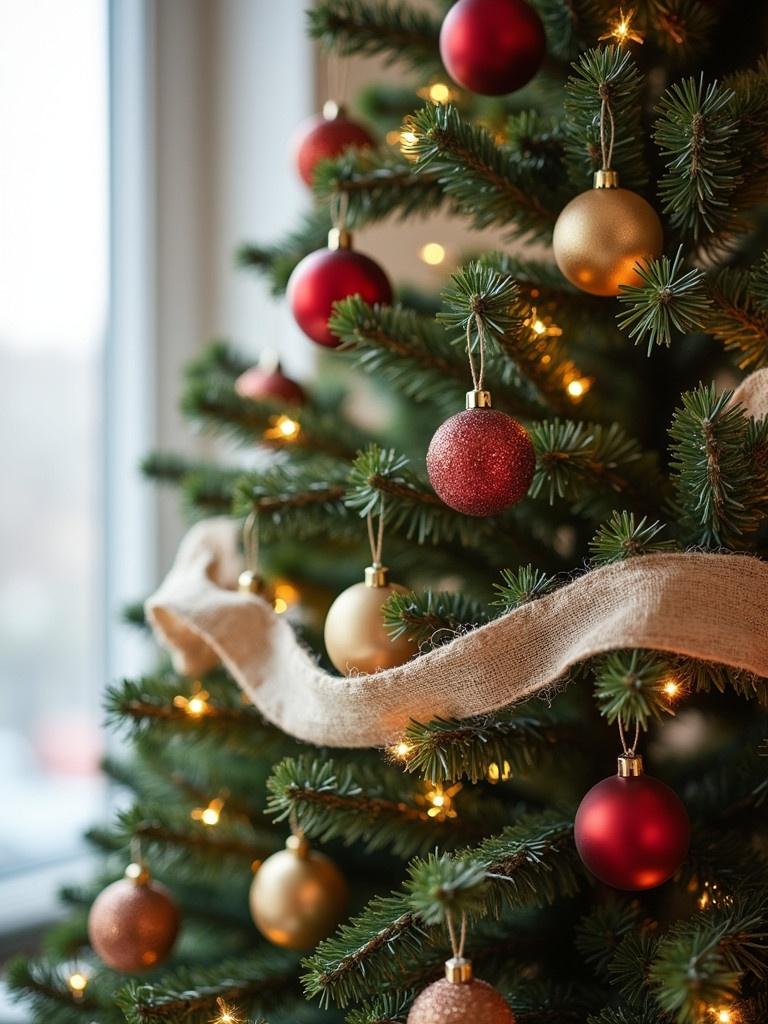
{"x": 298, "y": 896}
{"x": 601, "y": 235}
{"x": 355, "y": 637}
{"x": 133, "y": 923}
{"x": 474, "y": 1002}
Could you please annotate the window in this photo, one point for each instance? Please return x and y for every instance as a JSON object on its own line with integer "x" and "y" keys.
{"x": 53, "y": 300}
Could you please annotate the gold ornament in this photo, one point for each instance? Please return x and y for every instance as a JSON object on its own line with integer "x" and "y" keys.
{"x": 459, "y": 998}
{"x": 133, "y": 923}
{"x": 603, "y": 233}
{"x": 298, "y": 896}
{"x": 355, "y": 637}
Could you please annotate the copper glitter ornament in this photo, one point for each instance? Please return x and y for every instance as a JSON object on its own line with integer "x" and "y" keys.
{"x": 298, "y": 896}
{"x": 133, "y": 923}
{"x": 355, "y": 637}
{"x": 602, "y": 234}
{"x": 459, "y": 998}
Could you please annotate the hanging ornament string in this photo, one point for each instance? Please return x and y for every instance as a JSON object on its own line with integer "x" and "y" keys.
{"x": 629, "y": 751}
{"x": 251, "y": 542}
{"x": 376, "y": 540}
{"x": 337, "y": 71}
{"x": 339, "y": 207}
{"x": 479, "y": 373}
{"x": 457, "y": 947}
{"x": 607, "y": 137}
{"x": 135, "y": 849}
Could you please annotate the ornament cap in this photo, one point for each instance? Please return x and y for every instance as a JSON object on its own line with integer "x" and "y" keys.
{"x": 606, "y": 178}
{"x": 458, "y": 970}
{"x": 630, "y": 766}
{"x": 249, "y": 582}
{"x": 339, "y": 238}
{"x": 298, "y": 845}
{"x": 138, "y": 873}
{"x": 376, "y": 575}
{"x": 332, "y": 110}
{"x": 479, "y": 400}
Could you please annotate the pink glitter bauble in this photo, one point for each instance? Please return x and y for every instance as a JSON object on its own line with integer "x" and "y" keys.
{"x": 480, "y": 461}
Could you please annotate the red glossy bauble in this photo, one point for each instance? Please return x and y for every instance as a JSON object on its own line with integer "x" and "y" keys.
{"x": 632, "y": 833}
{"x": 480, "y": 461}
{"x": 325, "y": 277}
{"x": 492, "y": 46}
{"x": 265, "y": 383}
{"x": 323, "y": 137}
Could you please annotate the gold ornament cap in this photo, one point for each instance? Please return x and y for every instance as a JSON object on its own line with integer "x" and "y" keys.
{"x": 339, "y": 238}
{"x": 458, "y": 970}
{"x": 376, "y": 576}
{"x": 138, "y": 873}
{"x": 606, "y": 178}
{"x": 478, "y": 400}
{"x": 298, "y": 845}
{"x": 630, "y": 766}
{"x": 249, "y": 582}
{"x": 332, "y": 110}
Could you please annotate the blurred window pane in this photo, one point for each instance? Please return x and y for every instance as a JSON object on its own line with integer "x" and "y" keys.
{"x": 53, "y": 299}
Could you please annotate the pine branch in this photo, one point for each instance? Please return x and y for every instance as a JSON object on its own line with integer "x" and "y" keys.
{"x": 276, "y": 262}
{"x": 386, "y": 28}
{"x": 670, "y": 301}
{"x": 206, "y": 490}
{"x": 530, "y": 864}
{"x": 630, "y": 687}
{"x": 484, "y": 181}
{"x": 608, "y": 72}
{"x": 624, "y": 536}
{"x": 738, "y": 319}
{"x": 521, "y": 586}
{"x": 600, "y": 932}
{"x": 42, "y": 988}
{"x": 431, "y": 618}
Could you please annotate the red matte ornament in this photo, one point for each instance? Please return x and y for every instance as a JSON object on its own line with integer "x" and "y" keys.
{"x": 492, "y": 47}
{"x": 480, "y": 461}
{"x": 264, "y": 382}
{"x": 328, "y": 275}
{"x": 326, "y": 136}
{"x": 632, "y": 831}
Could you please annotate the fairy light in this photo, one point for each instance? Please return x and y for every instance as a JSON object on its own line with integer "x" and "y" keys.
{"x": 408, "y": 140}
{"x": 724, "y": 1014}
{"x": 578, "y": 387}
{"x": 282, "y": 428}
{"x": 285, "y": 595}
{"x": 433, "y": 254}
{"x": 77, "y": 984}
{"x": 227, "y": 1014}
{"x": 712, "y": 896}
{"x": 540, "y": 326}
{"x": 209, "y": 815}
{"x": 440, "y": 801}
{"x": 671, "y": 688}
{"x": 621, "y": 30}
{"x": 195, "y": 705}
{"x": 401, "y": 750}
{"x": 499, "y": 773}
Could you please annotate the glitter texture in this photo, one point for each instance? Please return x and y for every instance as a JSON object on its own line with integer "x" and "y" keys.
{"x": 480, "y": 461}
{"x": 132, "y": 926}
{"x": 477, "y": 1002}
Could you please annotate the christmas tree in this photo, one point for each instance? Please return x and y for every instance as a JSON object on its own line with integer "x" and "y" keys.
{"x": 572, "y": 501}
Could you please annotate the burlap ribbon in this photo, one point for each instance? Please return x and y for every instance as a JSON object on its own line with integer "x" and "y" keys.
{"x": 708, "y": 606}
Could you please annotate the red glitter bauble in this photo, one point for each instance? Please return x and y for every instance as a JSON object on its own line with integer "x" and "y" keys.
{"x": 261, "y": 383}
{"x": 325, "y": 277}
{"x": 132, "y": 924}
{"x": 323, "y": 138}
{"x": 492, "y": 46}
{"x": 480, "y": 461}
{"x": 632, "y": 833}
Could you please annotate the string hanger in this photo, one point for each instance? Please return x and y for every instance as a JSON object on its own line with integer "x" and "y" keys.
{"x": 376, "y": 539}
{"x": 478, "y": 374}
{"x": 629, "y": 751}
{"x": 607, "y": 137}
{"x": 457, "y": 947}
{"x": 251, "y": 542}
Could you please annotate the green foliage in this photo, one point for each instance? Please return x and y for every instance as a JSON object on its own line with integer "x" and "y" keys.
{"x": 625, "y": 536}
{"x": 433, "y": 617}
{"x": 276, "y": 262}
{"x": 206, "y": 490}
{"x": 695, "y": 132}
{"x": 669, "y": 300}
{"x": 608, "y": 72}
{"x": 738, "y": 319}
{"x": 387, "y": 1009}
{"x": 521, "y": 586}
{"x": 629, "y": 686}
{"x": 478, "y": 294}
{"x": 600, "y": 932}
{"x": 483, "y": 180}
{"x": 42, "y": 987}
{"x": 631, "y": 962}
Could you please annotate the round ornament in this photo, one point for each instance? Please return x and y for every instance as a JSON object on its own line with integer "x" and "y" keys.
{"x": 602, "y": 233}
{"x": 298, "y": 896}
{"x": 132, "y": 924}
{"x": 492, "y": 47}
{"x": 328, "y": 275}
{"x": 632, "y": 830}
{"x": 461, "y": 999}
{"x": 355, "y": 637}
{"x": 480, "y": 461}
{"x": 326, "y": 136}
{"x": 267, "y": 382}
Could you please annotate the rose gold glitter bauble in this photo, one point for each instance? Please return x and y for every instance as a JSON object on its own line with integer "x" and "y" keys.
{"x": 480, "y": 461}
{"x": 601, "y": 235}
{"x": 133, "y": 923}
{"x": 298, "y": 896}
{"x": 474, "y": 1002}
{"x": 355, "y": 637}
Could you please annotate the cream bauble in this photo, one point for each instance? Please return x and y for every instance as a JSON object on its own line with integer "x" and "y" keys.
{"x": 459, "y": 998}
{"x": 601, "y": 234}
{"x": 298, "y": 896}
{"x": 355, "y": 637}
